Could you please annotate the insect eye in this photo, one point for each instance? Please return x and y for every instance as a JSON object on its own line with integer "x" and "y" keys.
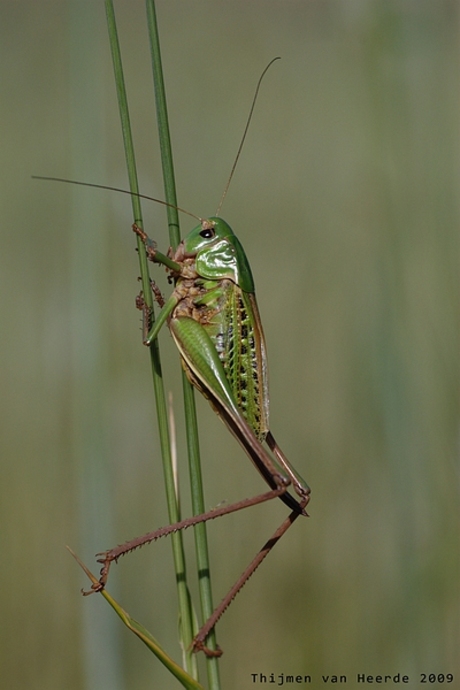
{"x": 207, "y": 233}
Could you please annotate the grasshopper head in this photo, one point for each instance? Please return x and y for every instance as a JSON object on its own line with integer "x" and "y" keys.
{"x": 206, "y": 234}
{"x": 219, "y": 254}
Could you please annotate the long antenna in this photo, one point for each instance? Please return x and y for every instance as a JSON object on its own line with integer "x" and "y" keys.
{"x": 116, "y": 189}
{"x": 160, "y": 201}
{"x": 244, "y": 133}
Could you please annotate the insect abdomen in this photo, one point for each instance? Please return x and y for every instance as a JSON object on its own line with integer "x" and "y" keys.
{"x": 232, "y": 321}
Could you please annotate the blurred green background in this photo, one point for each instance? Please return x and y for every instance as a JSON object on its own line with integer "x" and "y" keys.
{"x": 346, "y": 200}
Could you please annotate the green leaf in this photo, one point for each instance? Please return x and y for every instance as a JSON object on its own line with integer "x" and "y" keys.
{"x": 142, "y": 633}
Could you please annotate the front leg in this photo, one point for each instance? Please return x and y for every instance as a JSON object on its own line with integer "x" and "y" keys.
{"x": 151, "y": 329}
{"x": 157, "y": 294}
{"x": 147, "y": 315}
{"x": 150, "y": 245}
{"x": 153, "y": 254}
{"x": 147, "y": 312}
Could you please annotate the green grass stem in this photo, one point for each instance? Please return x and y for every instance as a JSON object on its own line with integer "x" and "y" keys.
{"x": 196, "y": 484}
{"x": 185, "y": 608}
